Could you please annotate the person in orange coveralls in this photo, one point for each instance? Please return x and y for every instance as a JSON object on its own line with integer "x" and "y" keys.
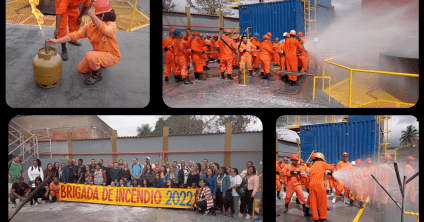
{"x": 299, "y": 36}
{"x": 409, "y": 172}
{"x": 369, "y": 183}
{"x": 338, "y": 185}
{"x": 214, "y": 56}
{"x": 205, "y": 57}
{"x": 285, "y": 162}
{"x": 277, "y": 178}
{"x": 197, "y": 51}
{"x": 293, "y": 173}
{"x": 67, "y": 13}
{"x": 340, "y": 165}
{"x": 291, "y": 47}
{"x": 317, "y": 193}
{"x": 181, "y": 53}
{"x": 168, "y": 47}
{"x": 265, "y": 57}
{"x": 101, "y": 33}
{"x": 188, "y": 56}
{"x": 329, "y": 183}
{"x": 255, "y": 55}
{"x": 276, "y": 55}
{"x": 226, "y": 54}
{"x": 280, "y": 50}
{"x": 245, "y": 55}
{"x": 357, "y": 184}
{"x": 236, "y": 41}
{"x": 308, "y": 201}
{"x": 303, "y": 57}
{"x": 189, "y": 40}
{"x": 382, "y": 173}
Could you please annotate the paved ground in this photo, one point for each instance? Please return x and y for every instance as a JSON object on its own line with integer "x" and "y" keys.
{"x": 75, "y": 211}
{"x": 126, "y": 84}
{"x": 215, "y": 92}
{"x": 340, "y": 212}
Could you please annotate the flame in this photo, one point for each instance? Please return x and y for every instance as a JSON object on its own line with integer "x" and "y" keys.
{"x": 38, "y": 15}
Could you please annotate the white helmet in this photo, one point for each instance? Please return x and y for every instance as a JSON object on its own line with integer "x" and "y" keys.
{"x": 353, "y": 163}
{"x": 284, "y": 34}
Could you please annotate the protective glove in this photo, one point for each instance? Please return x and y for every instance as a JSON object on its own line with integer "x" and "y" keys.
{"x": 166, "y": 49}
{"x": 203, "y": 52}
{"x": 329, "y": 173}
{"x": 257, "y": 47}
{"x": 276, "y": 172}
{"x": 298, "y": 172}
{"x": 244, "y": 50}
{"x": 293, "y": 172}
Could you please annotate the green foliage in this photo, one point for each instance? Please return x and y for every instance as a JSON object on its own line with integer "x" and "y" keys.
{"x": 168, "y": 5}
{"x": 144, "y": 130}
{"x": 409, "y": 136}
{"x": 281, "y": 121}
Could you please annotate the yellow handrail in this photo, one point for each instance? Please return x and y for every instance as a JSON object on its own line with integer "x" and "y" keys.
{"x": 329, "y": 86}
{"x": 411, "y": 213}
{"x": 350, "y": 81}
{"x": 310, "y": 156}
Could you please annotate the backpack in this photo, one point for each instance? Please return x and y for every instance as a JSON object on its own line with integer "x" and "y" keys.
{"x": 243, "y": 187}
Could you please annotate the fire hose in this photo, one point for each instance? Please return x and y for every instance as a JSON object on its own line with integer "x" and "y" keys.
{"x": 27, "y": 199}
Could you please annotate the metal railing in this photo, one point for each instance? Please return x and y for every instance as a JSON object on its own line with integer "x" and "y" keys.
{"x": 329, "y": 86}
{"x": 396, "y": 150}
{"x": 351, "y": 70}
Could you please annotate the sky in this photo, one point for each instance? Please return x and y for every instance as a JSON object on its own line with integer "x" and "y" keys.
{"x": 396, "y": 125}
{"x": 127, "y": 125}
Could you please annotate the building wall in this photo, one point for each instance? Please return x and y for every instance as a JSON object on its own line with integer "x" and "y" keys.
{"x": 287, "y": 147}
{"x": 58, "y": 126}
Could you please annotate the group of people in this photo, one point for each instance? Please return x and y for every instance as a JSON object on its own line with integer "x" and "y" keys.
{"x": 354, "y": 178}
{"x": 217, "y": 188}
{"x": 180, "y": 49}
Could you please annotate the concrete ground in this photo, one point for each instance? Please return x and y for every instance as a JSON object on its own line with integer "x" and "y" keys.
{"x": 257, "y": 93}
{"x": 124, "y": 85}
{"x": 75, "y": 211}
{"x": 340, "y": 212}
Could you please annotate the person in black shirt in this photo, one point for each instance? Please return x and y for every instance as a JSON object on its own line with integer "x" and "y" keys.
{"x": 42, "y": 193}
{"x": 19, "y": 189}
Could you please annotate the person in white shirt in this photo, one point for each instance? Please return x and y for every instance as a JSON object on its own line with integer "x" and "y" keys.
{"x": 35, "y": 171}
{"x": 235, "y": 181}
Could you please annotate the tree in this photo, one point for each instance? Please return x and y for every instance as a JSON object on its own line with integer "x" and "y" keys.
{"x": 144, "y": 130}
{"x": 168, "y": 5}
{"x": 210, "y": 7}
{"x": 158, "y": 127}
{"x": 409, "y": 136}
{"x": 281, "y": 121}
{"x": 238, "y": 122}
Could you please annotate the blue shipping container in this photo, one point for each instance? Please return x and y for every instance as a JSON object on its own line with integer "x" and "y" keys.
{"x": 280, "y": 17}
{"x": 353, "y": 118}
{"x": 359, "y": 139}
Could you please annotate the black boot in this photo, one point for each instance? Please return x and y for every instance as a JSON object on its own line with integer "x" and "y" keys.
{"x": 187, "y": 80}
{"x": 262, "y": 75}
{"x": 361, "y": 205}
{"x": 166, "y": 79}
{"x": 222, "y": 76}
{"x": 200, "y": 76}
{"x": 268, "y": 77}
{"x": 196, "y": 76}
{"x": 188, "y": 68}
{"x": 284, "y": 189}
{"x": 251, "y": 72}
{"x": 286, "y": 208}
{"x": 297, "y": 201}
{"x": 229, "y": 77}
{"x": 278, "y": 195}
{"x": 64, "y": 52}
{"x": 306, "y": 211}
{"x": 307, "y": 190}
{"x": 256, "y": 69}
{"x": 96, "y": 76}
{"x": 178, "y": 78}
{"x": 351, "y": 202}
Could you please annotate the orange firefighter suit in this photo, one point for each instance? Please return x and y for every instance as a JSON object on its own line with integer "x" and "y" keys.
{"x": 105, "y": 52}
{"x": 341, "y": 165}
{"x": 276, "y": 55}
{"x": 70, "y": 12}
{"x": 213, "y": 48}
{"x": 282, "y": 57}
{"x": 293, "y": 183}
{"x": 303, "y": 59}
{"x": 290, "y": 49}
{"x": 369, "y": 183}
{"x": 188, "y": 56}
{"x": 317, "y": 192}
{"x": 246, "y": 57}
{"x": 265, "y": 57}
{"x": 305, "y": 180}
{"x": 278, "y": 169}
{"x": 235, "y": 46}
{"x": 255, "y": 55}
{"x": 409, "y": 172}
{"x": 357, "y": 184}
{"x": 226, "y": 55}
{"x": 382, "y": 174}
{"x": 169, "y": 56}
{"x": 180, "y": 53}
{"x": 205, "y": 57}
{"x": 283, "y": 176}
{"x": 197, "y": 47}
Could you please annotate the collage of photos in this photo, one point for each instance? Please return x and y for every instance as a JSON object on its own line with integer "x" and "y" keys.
{"x": 152, "y": 151}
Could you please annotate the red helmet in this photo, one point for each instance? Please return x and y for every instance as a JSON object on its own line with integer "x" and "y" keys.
{"x": 292, "y": 32}
{"x": 358, "y": 162}
{"x": 215, "y": 35}
{"x": 285, "y": 158}
{"x": 345, "y": 153}
{"x": 299, "y": 34}
{"x": 320, "y": 156}
{"x": 307, "y": 163}
{"x": 279, "y": 161}
{"x": 288, "y": 35}
{"x": 229, "y": 31}
{"x": 196, "y": 33}
{"x": 387, "y": 157}
{"x": 368, "y": 160}
{"x": 409, "y": 158}
{"x": 171, "y": 31}
{"x": 301, "y": 160}
{"x": 101, "y": 6}
{"x": 269, "y": 34}
{"x": 276, "y": 39}
{"x": 265, "y": 37}
{"x": 294, "y": 157}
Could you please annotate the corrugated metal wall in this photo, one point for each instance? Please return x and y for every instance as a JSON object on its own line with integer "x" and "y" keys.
{"x": 359, "y": 139}
{"x": 280, "y": 17}
{"x": 288, "y": 147}
{"x": 173, "y": 18}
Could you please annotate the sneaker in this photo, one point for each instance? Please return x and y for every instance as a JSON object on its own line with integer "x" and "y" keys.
{"x": 206, "y": 212}
{"x": 36, "y": 203}
{"x": 247, "y": 217}
{"x": 240, "y": 215}
{"x": 13, "y": 205}
{"x": 334, "y": 200}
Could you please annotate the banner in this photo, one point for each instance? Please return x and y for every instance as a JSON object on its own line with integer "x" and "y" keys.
{"x": 130, "y": 196}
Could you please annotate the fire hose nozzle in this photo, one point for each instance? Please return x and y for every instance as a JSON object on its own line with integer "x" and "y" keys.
{"x": 46, "y": 46}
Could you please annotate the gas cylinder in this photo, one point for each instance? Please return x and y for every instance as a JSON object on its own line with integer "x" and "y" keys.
{"x": 47, "y": 66}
